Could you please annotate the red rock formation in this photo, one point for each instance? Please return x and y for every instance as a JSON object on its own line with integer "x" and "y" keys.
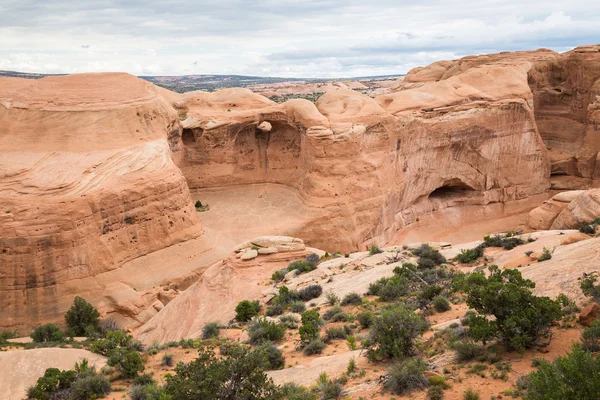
{"x": 86, "y": 183}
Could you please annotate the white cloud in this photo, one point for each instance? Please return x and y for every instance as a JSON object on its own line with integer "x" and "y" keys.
{"x": 310, "y": 38}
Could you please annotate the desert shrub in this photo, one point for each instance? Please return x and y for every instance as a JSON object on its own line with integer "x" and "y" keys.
{"x": 336, "y": 332}
{"x": 148, "y": 392}
{"x": 311, "y": 326}
{"x": 312, "y": 259}
{"x": 374, "y": 249}
{"x": 393, "y": 333}
{"x": 109, "y": 325}
{"x": 390, "y": 289}
{"x": 315, "y": 346}
{"x": 275, "y": 309}
{"x": 572, "y": 377}
{"x": 470, "y": 394}
{"x": 279, "y": 275}
{"x": 470, "y": 255}
{"x": 289, "y": 321}
{"x": 507, "y": 242}
{"x": 588, "y": 229}
{"x": 330, "y": 390}
{"x": 310, "y": 292}
{"x": 335, "y": 314}
{"x": 407, "y": 375}
{"x": 365, "y": 318}
{"x": 210, "y": 330}
{"x": 129, "y": 362}
{"x": 286, "y": 296}
{"x": 466, "y": 350}
{"x": 429, "y": 292}
{"x": 53, "y": 380}
{"x": 590, "y": 337}
{"x": 546, "y": 255}
{"x": 5, "y": 335}
{"x": 47, "y": 333}
{"x": 426, "y": 252}
{"x": 239, "y": 374}
{"x": 441, "y": 304}
{"x": 292, "y": 391}
{"x": 90, "y": 387}
{"x": 114, "y": 340}
{"x": 301, "y": 266}
{"x": 589, "y": 288}
{"x": 332, "y": 299}
{"x": 351, "y": 298}
{"x": 261, "y": 330}
{"x": 245, "y": 310}
{"x": 273, "y": 357}
{"x": 520, "y": 317}
{"x": 82, "y": 318}
{"x": 297, "y": 307}
{"x": 167, "y": 360}
{"x": 435, "y": 393}
{"x": 143, "y": 379}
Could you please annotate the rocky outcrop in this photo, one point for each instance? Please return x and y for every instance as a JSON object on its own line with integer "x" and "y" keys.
{"x": 566, "y": 210}
{"x": 221, "y": 287}
{"x": 86, "y": 183}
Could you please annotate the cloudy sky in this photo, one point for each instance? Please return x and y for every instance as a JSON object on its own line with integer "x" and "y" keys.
{"x": 291, "y": 38}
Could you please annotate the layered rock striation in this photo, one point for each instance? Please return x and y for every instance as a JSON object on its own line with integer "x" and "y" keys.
{"x": 86, "y": 183}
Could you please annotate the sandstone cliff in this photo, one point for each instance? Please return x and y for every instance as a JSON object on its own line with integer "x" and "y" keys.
{"x": 86, "y": 184}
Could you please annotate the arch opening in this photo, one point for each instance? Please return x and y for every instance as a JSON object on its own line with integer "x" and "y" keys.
{"x": 188, "y": 137}
{"x": 452, "y": 189}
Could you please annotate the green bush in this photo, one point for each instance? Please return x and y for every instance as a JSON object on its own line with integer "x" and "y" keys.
{"x": 470, "y": 255}
{"x": 292, "y": 391}
{"x": 351, "y": 299}
{"x": 52, "y": 381}
{"x": 394, "y": 332}
{"x": 114, "y": 340}
{"x": 315, "y": 346}
{"x": 129, "y": 362}
{"x": 210, "y": 330}
{"x": 238, "y": 375}
{"x": 407, "y": 375}
{"x": 507, "y": 242}
{"x": 590, "y": 337}
{"x": 311, "y": 326}
{"x": 273, "y": 357}
{"x": 589, "y": 288}
{"x": 286, "y": 296}
{"x": 279, "y": 275}
{"x": 466, "y": 350}
{"x": 374, "y": 249}
{"x": 275, "y": 309}
{"x": 301, "y": 266}
{"x": 470, "y": 394}
{"x": 330, "y": 390}
{"x": 365, "y": 318}
{"x": 261, "y": 330}
{"x": 289, "y": 321}
{"x": 47, "y": 333}
{"x": 312, "y": 259}
{"x": 572, "y": 377}
{"x": 167, "y": 360}
{"x": 588, "y": 229}
{"x": 82, "y": 318}
{"x": 520, "y": 317}
{"x": 336, "y": 332}
{"x": 441, "y": 304}
{"x": 335, "y": 314}
{"x": 148, "y": 392}
{"x": 297, "y": 307}
{"x": 90, "y": 387}
{"x": 435, "y": 393}
{"x": 5, "y": 335}
{"x": 546, "y": 255}
{"x": 428, "y": 256}
{"x": 245, "y": 310}
{"x": 310, "y": 292}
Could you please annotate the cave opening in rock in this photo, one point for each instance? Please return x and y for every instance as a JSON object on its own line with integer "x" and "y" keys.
{"x": 188, "y": 138}
{"x": 451, "y": 189}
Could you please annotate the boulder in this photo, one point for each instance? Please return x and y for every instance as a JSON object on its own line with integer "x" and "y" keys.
{"x": 267, "y": 250}
{"x": 249, "y": 255}
{"x": 589, "y": 314}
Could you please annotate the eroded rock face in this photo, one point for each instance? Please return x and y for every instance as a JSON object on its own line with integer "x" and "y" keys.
{"x": 86, "y": 183}
{"x": 566, "y": 210}
{"x": 375, "y": 165}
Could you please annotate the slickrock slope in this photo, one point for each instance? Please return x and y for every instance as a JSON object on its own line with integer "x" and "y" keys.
{"x": 86, "y": 183}
{"x": 214, "y": 297}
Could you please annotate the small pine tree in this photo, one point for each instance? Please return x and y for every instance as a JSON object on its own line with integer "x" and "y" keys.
{"x": 82, "y": 317}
